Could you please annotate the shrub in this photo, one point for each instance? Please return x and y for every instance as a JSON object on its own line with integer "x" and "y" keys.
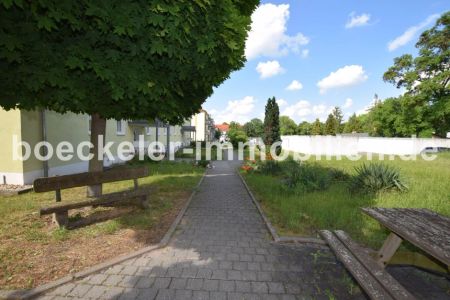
{"x": 269, "y": 167}
{"x": 376, "y": 177}
{"x": 306, "y": 177}
{"x": 339, "y": 175}
{"x": 203, "y": 163}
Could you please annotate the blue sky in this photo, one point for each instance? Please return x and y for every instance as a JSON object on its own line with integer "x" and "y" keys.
{"x": 336, "y": 51}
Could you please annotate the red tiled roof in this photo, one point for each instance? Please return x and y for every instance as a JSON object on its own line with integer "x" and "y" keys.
{"x": 223, "y": 127}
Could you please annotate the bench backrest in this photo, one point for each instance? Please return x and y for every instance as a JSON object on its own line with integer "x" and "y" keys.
{"x": 47, "y": 184}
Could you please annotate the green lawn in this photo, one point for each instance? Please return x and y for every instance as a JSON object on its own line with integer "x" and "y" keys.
{"x": 192, "y": 155}
{"x": 336, "y": 208}
{"x": 33, "y": 252}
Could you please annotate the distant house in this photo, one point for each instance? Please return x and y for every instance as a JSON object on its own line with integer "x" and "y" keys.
{"x": 204, "y": 127}
{"x": 33, "y": 127}
{"x": 223, "y": 128}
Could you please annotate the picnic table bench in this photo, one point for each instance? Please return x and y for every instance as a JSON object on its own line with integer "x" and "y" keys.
{"x": 58, "y": 183}
{"x": 425, "y": 229}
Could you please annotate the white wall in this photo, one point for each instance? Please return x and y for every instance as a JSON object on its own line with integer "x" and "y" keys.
{"x": 338, "y": 145}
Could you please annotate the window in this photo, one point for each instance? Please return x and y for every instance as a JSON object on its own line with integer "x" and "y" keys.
{"x": 148, "y": 130}
{"x": 120, "y": 128}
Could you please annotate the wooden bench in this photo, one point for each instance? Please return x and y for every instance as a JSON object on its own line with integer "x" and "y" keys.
{"x": 373, "y": 278}
{"x": 61, "y": 211}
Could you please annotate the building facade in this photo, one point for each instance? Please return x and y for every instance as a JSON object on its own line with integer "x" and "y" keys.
{"x": 204, "y": 127}
{"x": 20, "y": 127}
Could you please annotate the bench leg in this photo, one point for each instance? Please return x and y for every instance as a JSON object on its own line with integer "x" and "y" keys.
{"x": 388, "y": 249}
{"x": 144, "y": 203}
{"x": 61, "y": 219}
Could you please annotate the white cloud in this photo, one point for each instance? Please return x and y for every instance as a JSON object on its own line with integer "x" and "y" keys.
{"x": 237, "y": 110}
{"x": 305, "y": 53}
{"x": 269, "y": 68}
{"x": 410, "y": 33}
{"x": 294, "y": 86}
{"x": 348, "y": 103}
{"x": 357, "y": 21}
{"x": 281, "y": 102}
{"x": 303, "y": 110}
{"x": 268, "y": 37}
{"x": 343, "y": 77}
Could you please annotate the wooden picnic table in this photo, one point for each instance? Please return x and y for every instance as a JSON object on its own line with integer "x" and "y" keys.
{"x": 423, "y": 228}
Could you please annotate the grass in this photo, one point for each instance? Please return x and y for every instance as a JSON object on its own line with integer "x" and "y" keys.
{"x": 337, "y": 208}
{"x": 192, "y": 155}
{"x": 24, "y": 234}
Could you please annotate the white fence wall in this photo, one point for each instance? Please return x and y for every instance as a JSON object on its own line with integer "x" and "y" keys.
{"x": 345, "y": 145}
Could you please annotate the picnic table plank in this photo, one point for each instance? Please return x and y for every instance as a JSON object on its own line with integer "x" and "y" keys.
{"x": 430, "y": 233}
{"x": 427, "y": 215}
{"x": 359, "y": 272}
{"x": 395, "y": 288}
{"x": 434, "y": 240}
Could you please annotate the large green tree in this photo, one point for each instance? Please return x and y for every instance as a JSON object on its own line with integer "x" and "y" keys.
{"x": 119, "y": 59}
{"x": 287, "y": 126}
{"x": 304, "y": 128}
{"x": 272, "y": 124}
{"x": 330, "y": 125}
{"x": 254, "y": 128}
{"x": 426, "y": 80}
{"x": 353, "y": 125}
{"x": 338, "y": 118}
{"x": 317, "y": 127}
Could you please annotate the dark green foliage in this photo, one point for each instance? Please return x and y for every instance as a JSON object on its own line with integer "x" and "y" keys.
{"x": 425, "y": 107}
{"x": 272, "y": 124}
{"x": 120, "y": 59}
{"x": 305, "y": 177}
{"x": 317, "y": 127}
{"x": 353, "y": 125}
{"x": 254, "y": 128}
{"x": 202, "y": 163}
{"x": 269, "y": 167}
{"x": 338, "y": 175}
{"x": 330, "y": 125}
{"x": 236, "y": 134}
{"x": 376, "y": 177}
{"x": 287, "y": 126}
{"x": 304, "y": 128}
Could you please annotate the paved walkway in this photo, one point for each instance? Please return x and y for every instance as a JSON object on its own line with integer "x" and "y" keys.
{"x": 221, "y": 250}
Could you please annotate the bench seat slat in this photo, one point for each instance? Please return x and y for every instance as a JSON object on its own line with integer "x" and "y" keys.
{"x": 47, "y": 184}
{"x": 389, "y": 282}
{"x": 370, "y": 285}
{"x": 105, "y": 199}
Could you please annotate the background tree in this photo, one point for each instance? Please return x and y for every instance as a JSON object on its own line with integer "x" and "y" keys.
{"x": 426, "y": 79}
{"x": 338, "y": 117}
{"x": 217, "y": 134}
{"x": 254, "y": 128}
{"x": 236, "y": 134}
{"x": 287, "y": 126}
{"x": 317, "y": 127}
{"x": 272, "y": 124}
{"x": 353, "y": 125}
{"x": 304, "y": 128}
{"x": 330, "y": 125}
{"x": 119, "y": 59}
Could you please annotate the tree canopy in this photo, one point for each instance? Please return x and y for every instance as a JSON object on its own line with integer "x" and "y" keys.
{"x": 272, "y": 124}
{"x": 254, "y": 128}
{"x": 426, "y": 103}
{"x": 119, "y": 59}
{"x": 287, "y": 126}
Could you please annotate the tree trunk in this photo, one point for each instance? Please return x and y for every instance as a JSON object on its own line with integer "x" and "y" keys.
{"x": 98, "y": 128}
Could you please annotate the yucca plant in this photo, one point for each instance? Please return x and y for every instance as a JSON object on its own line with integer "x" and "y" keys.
{"x": 377, "y": 177}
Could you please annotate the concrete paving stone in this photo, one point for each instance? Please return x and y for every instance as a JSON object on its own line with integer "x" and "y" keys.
{"x": 219, "y": 274}
{"x": 129, "y": 281}
{"x": 218, "y": 295}
{"x": 161, "y": 283}
{"x": 276, "y": 287}
{"x": 234, "y": 275}
{"x": 79, "y": 290}
{"x": 243, "y": 286}
{"x": 113, "y": 280}
{"x": 183, "y": 294}
{"x": 129, "y": 270}
{"x": 194, "y": 284}
{"x": 211, "y": 285}
{"x": 200, "y": 295}
{"x": 227, "y": 285}
{"x": 165, "y": 294}
{"x": 62, "y": 290}
{"x": 259, "y": 287}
